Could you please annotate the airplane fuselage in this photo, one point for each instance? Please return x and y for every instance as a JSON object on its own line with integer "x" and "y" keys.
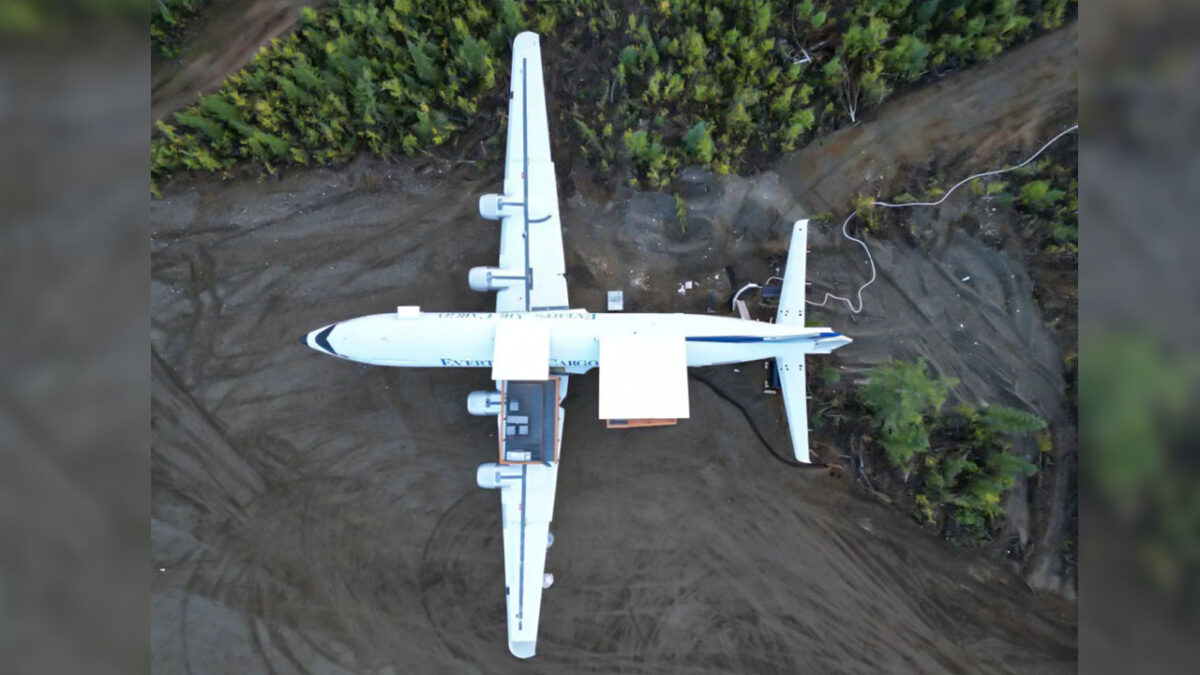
{"x": 467, "y": 339}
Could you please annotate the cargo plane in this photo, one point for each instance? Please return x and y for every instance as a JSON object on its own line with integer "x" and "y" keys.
{"x": 535, "y": 341}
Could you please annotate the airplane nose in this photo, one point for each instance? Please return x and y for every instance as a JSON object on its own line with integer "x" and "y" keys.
{"x": 319, "y": 340}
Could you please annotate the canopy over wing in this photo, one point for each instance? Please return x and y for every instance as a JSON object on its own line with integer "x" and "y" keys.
{"x": 530, "y": 233}
{"x": 643, "y": 377}
{"x": 522, "y": 350}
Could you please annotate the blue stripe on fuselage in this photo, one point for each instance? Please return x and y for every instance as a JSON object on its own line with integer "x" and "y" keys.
{"x": 724, "y": 338}
{"x": 758, "y": 338}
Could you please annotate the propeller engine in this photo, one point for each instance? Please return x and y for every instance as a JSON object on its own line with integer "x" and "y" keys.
{"x": 484, "y": 402}
{"x": 491, "y": 475}
{"x": 491, "y": 206}
{"x": 492, "y": 278}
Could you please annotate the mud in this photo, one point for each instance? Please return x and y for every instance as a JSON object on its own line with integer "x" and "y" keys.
{"x": 313, "y": 515}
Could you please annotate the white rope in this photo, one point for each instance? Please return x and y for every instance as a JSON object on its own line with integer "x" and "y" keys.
{"x": 743, "y": 289}
{"x": 871, "y": 261}
{"x": 870, "y": 281}
{"x": 733, "y": 303}
{"x": 968, "y": 179}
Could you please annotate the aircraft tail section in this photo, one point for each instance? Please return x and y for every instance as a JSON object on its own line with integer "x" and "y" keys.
{"x": 791, "y": 366}
{"x": 790, "y": 358}
{"x": 795, "y": 401}
{"x": 791, "y": 298}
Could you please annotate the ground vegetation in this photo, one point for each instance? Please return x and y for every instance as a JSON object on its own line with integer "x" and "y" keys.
{"x": 718, "y": 83}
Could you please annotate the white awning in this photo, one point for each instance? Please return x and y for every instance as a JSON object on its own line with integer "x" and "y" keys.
{"x": 643, "y": 377}
{"x": 522, "y": 350}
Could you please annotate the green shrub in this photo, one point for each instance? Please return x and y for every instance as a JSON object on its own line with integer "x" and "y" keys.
{"x": 962, "y": 478}
{"x": 967, "y": 476}
{"x": 398, "y": 76}
{"x": 1048, "y": 196}
{"x": 1003, "y": 420}
{"x": 698, "y": 144}
{"x": 740, "y": 63}
{"x": 167, "y": 20}
{"x": 902, "y": 397}
{"x": 389, "y": 77}
{"x": 909, "y": 57}
{"x": 1039, "y": 197}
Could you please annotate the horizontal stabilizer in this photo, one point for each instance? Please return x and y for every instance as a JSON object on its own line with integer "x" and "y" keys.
{"x": 795, "y": 402}
{"x": 791, "y": 298}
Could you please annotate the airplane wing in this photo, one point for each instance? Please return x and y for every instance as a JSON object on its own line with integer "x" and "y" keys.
{"x": 530, "y": 421}
{"x": 529, "y": 414}
{"x": 530, "y": 231}
{"x": 527, "y": 504}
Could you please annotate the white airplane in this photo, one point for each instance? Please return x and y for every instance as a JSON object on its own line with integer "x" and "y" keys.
{"x": 534, "y": 341}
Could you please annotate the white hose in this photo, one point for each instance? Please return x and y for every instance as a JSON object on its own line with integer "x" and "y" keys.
{"x": 733, "y": 303}
{"x": 968, "y": 179}
{"x": 860, "y": 288}
{"x": 957, "y": 185}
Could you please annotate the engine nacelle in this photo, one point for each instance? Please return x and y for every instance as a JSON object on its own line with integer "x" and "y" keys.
{"x": 491, "y": 278}
{"x": 484, "y": 403}
{"x": 490, "y": 206}
{"x": 487, "y": 476}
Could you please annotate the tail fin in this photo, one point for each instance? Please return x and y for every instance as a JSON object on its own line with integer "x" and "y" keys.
{"x": 791, "y": 298}
{"x": 795, "y": 401}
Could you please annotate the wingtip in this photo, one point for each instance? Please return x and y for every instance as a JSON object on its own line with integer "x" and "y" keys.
{"x": 522, "y": 650}
{"x": 523, "y": 39}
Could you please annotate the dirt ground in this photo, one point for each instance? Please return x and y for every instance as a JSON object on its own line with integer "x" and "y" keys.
{"x": 316, "y": 516}
{"x": 216, "y": 44}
